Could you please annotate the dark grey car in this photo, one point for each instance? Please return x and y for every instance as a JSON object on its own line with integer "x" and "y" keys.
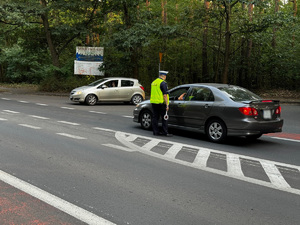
{"x": 218, "y": 110}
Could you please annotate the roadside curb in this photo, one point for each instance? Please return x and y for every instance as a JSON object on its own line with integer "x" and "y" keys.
{"x": 23, "y": 91}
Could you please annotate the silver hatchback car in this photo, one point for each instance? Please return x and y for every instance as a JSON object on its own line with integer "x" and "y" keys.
{"x": 110, "y": 89}
{"x": 217, "y": 110}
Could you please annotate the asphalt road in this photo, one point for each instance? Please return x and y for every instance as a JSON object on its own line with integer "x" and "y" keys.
{"x": 94, "y": 165}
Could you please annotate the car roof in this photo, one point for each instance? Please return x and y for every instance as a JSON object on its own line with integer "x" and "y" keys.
{"x": 216, "y": 85}
{"x": 128, "y": 78}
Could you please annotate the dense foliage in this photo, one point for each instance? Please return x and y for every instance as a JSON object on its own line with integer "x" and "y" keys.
{"x": 252, "y": 43}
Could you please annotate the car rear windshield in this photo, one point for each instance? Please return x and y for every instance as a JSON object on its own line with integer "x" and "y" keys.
{"x": 239, "y": 94}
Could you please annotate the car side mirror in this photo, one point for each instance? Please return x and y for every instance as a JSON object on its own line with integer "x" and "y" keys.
{"x": 103, "y": 86}
{"x": 172, "y": 98}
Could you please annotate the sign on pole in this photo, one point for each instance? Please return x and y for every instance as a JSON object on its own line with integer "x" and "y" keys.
{"x": 88, "y": 60}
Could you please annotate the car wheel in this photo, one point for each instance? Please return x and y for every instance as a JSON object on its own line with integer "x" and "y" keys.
{"x": 136, "y": 99}
{"x": 146, "y": 120}
{"x": 91, "y": 99}
{"x": 253, "y": 137}
{"x": 216, "y": 130}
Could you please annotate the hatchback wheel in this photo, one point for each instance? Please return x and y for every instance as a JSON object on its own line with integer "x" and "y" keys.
{"x": 146, "y": 120}
{"x": 216, "y": 130}
{"x": 136, "y": 99}
{"x": 91, "y": 99}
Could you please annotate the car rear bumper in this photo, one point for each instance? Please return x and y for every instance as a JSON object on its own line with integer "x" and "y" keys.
{"x": 258, "y": 127}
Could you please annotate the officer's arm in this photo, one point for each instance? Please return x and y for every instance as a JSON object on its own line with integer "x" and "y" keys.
{"x": 166, "y": 101}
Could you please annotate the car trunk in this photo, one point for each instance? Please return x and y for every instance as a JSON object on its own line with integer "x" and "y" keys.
{"x": 266, "y": 109}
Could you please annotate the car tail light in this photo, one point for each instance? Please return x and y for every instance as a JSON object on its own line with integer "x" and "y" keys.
{"x": 278, "y": 110}
{"x": 142, "y": 88}
{"x": 266, "y": 101}
{"x": 248, "y": 111}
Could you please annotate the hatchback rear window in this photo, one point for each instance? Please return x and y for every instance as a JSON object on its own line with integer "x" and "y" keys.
{"x": 238, "y": 94}
{"x": 126, "y": 83}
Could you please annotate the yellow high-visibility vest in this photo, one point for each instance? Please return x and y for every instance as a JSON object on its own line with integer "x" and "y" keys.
{"x": 157, "y": 97}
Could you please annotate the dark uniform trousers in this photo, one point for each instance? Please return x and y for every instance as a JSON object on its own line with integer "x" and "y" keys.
{"x": 159, "y": 111}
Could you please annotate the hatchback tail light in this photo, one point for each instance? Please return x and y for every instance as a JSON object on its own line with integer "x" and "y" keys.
{"x": 248, "y": 111}
{"x": 278, "y": 110}
{"x": 142, "y": 88}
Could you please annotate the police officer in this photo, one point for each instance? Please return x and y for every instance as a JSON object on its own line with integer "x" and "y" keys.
{"x": 159, "y": 99}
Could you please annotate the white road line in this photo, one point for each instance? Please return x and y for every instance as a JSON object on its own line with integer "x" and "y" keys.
{"x": 128, "y": 117}
{"x": 274, "y": 175}
{"x": 62, "y": 205}
{"x": 202, "y": 157}
{"x": 23, "y": 101}
{"x": 270, "y": 167}
{"x": 149, "y": 145}
{"x": 9, "y": 111}
{"x": 97, "y": 112}
{"x": 2, "y": 119}
{"x": 234, "y": 165}
{"x": 131, "y": 138}
{"x": 286, "y": 139}
{"x": 104, "y": 129}
{"x": 66, "y": 108}
{"x": 41, "y": 104}
{"x": 6, "y": 99}
{"x": 30, "y": 126}
{"x": 119, "y": 147}
{"x": 71, "y": 136}
{"x": 39, "y": 117}
{"x": 69, "y": 123}
{"x": 173, "y": 151}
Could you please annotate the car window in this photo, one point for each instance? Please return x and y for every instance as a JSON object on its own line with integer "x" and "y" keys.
{"x": 174, "y": 94}
{"x": 200, "y": 94}
{"x": 239, "y": 94}
{"x": 111, "y": 83}
{"x": 126, "y": 83}
{"x": 95, "y": 83}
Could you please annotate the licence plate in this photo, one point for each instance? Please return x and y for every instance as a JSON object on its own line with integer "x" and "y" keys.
{"x": 267, "y": 114}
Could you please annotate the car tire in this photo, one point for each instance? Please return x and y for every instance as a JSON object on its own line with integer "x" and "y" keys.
{"x": 136, "y": 99}
{"x": 146, "y": 119}
{"x": 253, "y": 137}
{"x": 216, "y": 130}
{"x": 91, "y": 99}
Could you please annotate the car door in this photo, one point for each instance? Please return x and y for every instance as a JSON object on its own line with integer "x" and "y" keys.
{"x": 198, "y": 106}
{"x": 126, "y": 90}
{"x": 176, "y": 109}
{"x": 108, "y": 91}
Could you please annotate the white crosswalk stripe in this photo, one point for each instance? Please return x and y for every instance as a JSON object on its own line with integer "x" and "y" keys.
{"x": 201, "y": 158}
{"x": 274, "y": 175}
{"x": 173, "y": 151}
{"x": 233, "y": 161}
{"x": 234, "y": 165}
{"x": 150, "y": 144}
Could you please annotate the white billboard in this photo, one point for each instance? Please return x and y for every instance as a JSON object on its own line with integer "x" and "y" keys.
{"x": 88, "y": 60}
{"x": 87, "y": 68}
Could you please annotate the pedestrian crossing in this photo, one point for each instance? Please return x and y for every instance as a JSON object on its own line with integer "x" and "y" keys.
{"x": 267, "y": 173}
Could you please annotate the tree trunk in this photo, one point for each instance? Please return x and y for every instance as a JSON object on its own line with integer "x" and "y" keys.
{"x": 205, "y": 72}
{"x": 227, "y": 44}
{"x": 53, "y": 52}
{"x": 276, "y": 2}
{"x": 164, "y": 11}
{"x": 249, "y": 49}
{"x": 295, "y": 14}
